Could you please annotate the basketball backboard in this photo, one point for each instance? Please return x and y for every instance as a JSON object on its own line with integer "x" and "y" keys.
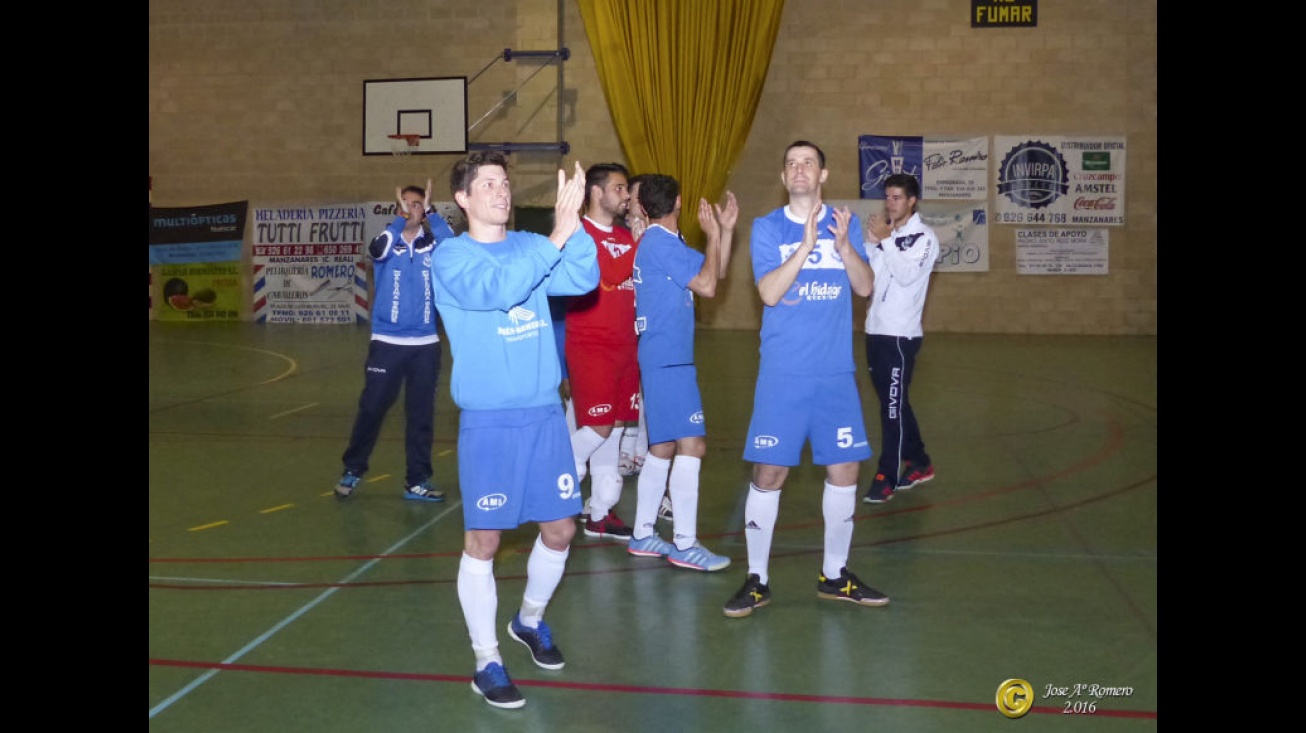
{"x": 433, "y": 109}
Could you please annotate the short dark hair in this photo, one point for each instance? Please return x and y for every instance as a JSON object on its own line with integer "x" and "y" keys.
{"x": 907, "y": 182}
{"x": 598, "y": 174}
{"x": 657, "y": 194}
{"x": 465, "y": 170}
{"x": 421, "y": 192}
{"x": 820, "y": 154}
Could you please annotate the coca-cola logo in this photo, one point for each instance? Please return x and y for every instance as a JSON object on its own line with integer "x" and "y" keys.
{"x": 1101, "y": 203}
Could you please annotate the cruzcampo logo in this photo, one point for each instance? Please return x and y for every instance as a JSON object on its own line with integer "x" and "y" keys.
{"x": 1097, "y": 161}
{"x": 1015, "y": 698}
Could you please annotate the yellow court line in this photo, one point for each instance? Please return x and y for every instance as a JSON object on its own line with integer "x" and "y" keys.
{"x": 210, "y": 525}
{"x": 294, "y": 365}
{"x": 269, "y": 510}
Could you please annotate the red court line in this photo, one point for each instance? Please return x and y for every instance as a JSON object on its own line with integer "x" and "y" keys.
{"x": 636, "y": 689}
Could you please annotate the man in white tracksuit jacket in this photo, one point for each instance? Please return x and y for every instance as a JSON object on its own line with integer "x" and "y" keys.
{"x": 902, "y": 251}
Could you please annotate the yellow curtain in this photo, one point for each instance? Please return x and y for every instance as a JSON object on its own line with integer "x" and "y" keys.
{"x": 682, "y": 79}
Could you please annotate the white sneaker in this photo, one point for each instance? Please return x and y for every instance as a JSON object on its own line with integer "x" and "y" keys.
{"x": 629, "y": 465}
{"x": 664, "y": 510}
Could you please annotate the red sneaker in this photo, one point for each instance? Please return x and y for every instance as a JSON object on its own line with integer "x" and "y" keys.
{"x": 609, "y": 526}
{"x": 914, "y": 475}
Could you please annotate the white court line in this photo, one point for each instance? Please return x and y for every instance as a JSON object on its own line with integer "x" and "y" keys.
{"x": 179, "y": 694}
{"x": 291, "y": 412}
{"x": 158, "y": 578}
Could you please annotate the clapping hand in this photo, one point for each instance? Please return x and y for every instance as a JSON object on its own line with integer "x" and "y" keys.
{"x": 730, "y": 214}
{"x": 566, "y": 212}
{"x": 842, "y": 218}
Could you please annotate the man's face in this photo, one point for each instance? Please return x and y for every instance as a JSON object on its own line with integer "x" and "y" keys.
{"x": 897, "y": 204}
{"x": 489, "y": 198}
{"x": 802, "y": 172}
{"x": 414, "y": 207}
{"x": 616, "y": 196}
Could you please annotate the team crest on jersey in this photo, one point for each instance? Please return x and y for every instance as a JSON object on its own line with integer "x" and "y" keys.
{"x": 519, "y": 314}
{"x": 617, "y": 249}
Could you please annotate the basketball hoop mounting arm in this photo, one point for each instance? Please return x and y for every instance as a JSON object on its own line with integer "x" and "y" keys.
{"x": 556, "y": 56}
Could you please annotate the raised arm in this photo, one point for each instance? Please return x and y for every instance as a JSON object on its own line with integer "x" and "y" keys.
{"x": 727, "y": 217}
{"x": 777, "y": 282}
{"x": 566, "y": 212}
{"x": 908, "y": 258}
{"x": 713, "y": 221}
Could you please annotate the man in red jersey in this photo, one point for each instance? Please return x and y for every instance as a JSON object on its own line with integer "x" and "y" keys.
{"x": 602, "y": 351}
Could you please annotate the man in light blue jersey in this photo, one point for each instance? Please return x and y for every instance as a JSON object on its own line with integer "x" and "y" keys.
{"x": 515, "y": 464}
{"x": 806, "y": 382}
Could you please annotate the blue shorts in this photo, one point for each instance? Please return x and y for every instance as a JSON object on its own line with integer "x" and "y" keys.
{"x": 673, "y": 407}
{"x": 515, "y": 466}
{"x": 789, "y": 410}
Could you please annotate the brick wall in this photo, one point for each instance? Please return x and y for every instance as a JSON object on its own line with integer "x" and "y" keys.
{"x": 263, "y": 102}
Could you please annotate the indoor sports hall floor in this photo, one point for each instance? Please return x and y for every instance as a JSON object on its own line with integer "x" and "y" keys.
{"x": 1031, "y": 556}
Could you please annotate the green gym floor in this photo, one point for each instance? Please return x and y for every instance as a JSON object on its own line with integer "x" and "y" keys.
{"x": 1032, "y": 556}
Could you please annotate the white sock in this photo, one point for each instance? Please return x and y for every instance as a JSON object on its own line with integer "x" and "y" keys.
{"x": 544, "y": 571}
{"x": 648, "y": 497}
{"x": 583, "y": 444}
{"x": 641, "y": 438}
{"x": 684, "y": 497}
{"x": 605, "y": 481}
{"x": 760, "y": 512}
{"x": 605, "y": 493}
{"x": 629, "y": 436}
{"x": 571, "y": 416}
{"x": 838, "y": 505}
{"x": 480, "y": 602}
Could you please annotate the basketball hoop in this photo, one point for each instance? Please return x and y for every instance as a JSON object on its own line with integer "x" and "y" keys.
{"x": 401, "y": 145}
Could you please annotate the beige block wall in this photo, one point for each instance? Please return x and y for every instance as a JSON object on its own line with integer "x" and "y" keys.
{"x": 263, "y": 102}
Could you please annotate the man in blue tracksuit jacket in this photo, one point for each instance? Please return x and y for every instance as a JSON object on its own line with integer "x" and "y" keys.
{"x": 405, "y": 348}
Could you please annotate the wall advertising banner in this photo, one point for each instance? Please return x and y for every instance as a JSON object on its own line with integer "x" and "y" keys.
{"x": 309, "y": 264}
{"x": 1060, "y": 180}
{"x": 200, "y": 292}
{"x": 197, "y": 233}
{"x": 195, "y": 252}
{"x": 1062, "y": 251}
{"x": 879, "y": 157}
{"x": 946, "y": 168}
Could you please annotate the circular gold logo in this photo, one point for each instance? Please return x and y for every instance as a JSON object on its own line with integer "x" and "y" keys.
{"x": 1015, "y": 698}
